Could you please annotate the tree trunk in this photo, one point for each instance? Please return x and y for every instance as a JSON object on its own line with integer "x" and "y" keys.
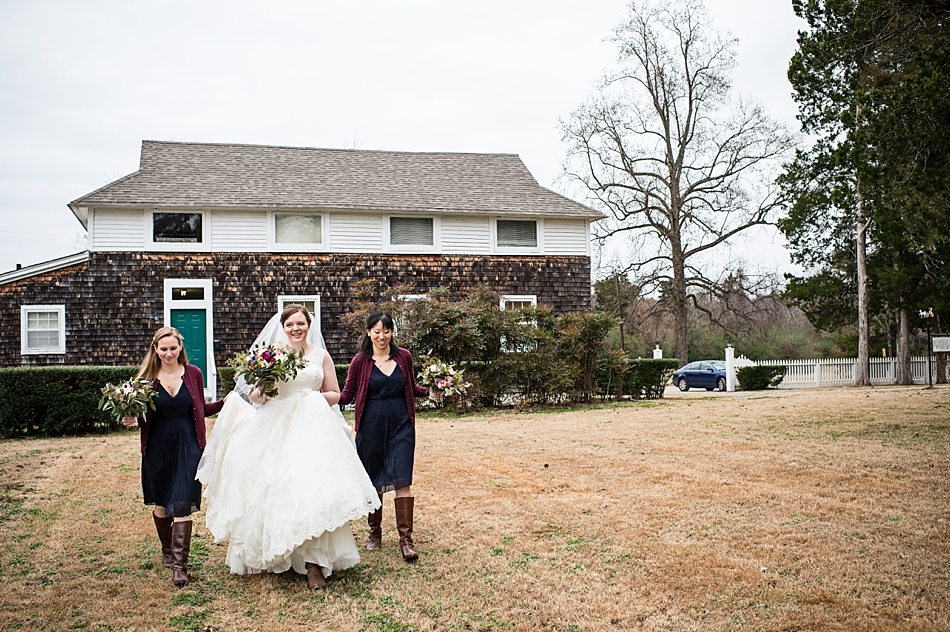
{"x": 904, "y": 375}
{"x": 862, "y": 368}
{"x": 941, "y": 377}
{"x": 680, "y": 309}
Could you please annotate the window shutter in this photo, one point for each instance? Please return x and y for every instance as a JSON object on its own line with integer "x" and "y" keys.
{"x": 514, "y": 233}
{"x": 411, "y": 231}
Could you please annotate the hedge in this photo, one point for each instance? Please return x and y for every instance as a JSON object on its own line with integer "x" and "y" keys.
{"x": 759, "y": 378}
{"x": 56, "y": 401}
{"x": 621, "y": 376}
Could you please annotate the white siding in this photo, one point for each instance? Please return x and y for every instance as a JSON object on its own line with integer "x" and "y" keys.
{"x": 355, "y": 232}
{"x": 565, "y": 237}
{"x": 234, "y": 231}
{"x": 463, "y": 235}
{"x": 117, "y": 230}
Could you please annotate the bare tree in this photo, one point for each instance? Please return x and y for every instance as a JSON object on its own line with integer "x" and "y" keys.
{"x": 679, "y": 169}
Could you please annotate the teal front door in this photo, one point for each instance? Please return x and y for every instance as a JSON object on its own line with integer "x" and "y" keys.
{"x": 192, "y": 323}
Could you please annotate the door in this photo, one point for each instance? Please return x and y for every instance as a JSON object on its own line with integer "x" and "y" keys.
{"x": 192, "y": 323}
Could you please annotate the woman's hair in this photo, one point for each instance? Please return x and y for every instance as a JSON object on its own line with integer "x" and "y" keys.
{"x": 292, "y": 308}
{"x": 366, "y": 346}
{"x": 151, "y": 363}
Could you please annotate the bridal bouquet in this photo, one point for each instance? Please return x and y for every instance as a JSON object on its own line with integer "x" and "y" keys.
{"x": 442, "y": 376}
{"x": 129, "y": 399}
{"x": 264, "y": 366}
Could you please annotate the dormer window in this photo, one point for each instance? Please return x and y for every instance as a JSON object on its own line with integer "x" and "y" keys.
{"x": 298, "y": 228}
{"x": 516, "y": 233}
{"x": 177, "y": 228}
{"x": 411, "y": 231}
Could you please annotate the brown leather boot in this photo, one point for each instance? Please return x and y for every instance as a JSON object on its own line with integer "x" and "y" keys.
{"x": 404, "y": 524}
{"x": 164, "y": 528}
{"x": 181, "y": 546}
{"x": 375, "y": 540}
{"x": 315, "y": 579}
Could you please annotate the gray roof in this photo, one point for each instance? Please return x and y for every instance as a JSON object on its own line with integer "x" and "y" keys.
{"x": 205, "y": 175}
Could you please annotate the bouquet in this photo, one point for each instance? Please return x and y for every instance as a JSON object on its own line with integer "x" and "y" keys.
{"x": 441, "y": 376}
{"x": 264, "y": 366}
{"x": 129, "y": 399}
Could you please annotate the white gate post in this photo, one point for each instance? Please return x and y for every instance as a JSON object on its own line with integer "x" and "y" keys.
{"x": 818, "y": 372}
{"x": 658, "y": 353}
{"x": 730, "y": 368}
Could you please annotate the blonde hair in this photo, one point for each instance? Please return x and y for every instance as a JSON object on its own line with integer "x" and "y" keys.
{"x": 151, "y": 363}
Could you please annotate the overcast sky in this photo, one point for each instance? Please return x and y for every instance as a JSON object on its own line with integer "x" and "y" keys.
{"x": 83, "y": 83}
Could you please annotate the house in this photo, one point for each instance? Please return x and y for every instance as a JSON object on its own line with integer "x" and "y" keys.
{"x": 214, "y": 238}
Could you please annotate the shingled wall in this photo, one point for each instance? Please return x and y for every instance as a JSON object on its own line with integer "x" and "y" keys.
{"x": 115, "y": 301}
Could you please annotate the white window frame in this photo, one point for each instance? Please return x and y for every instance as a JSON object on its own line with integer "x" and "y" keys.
{"x": 518, "y": 298}
{"x": 511, "y": 250}
{"x": 274, "y": 246}
{"x": 284, "y": 299}
{"x": 165, "y": 246}
{"x": 206, "y": 304}
{"x": 25, "y": 310}
{"x": 413, "y": 248}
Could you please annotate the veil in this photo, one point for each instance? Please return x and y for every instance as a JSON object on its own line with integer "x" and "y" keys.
{"x": 274, "y": 332}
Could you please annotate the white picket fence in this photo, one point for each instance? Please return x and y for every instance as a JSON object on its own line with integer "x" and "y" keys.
{"x": 840, "y": 371}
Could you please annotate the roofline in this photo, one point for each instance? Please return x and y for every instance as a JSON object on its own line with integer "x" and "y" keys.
{"x": 83, "y": 215}
{"x": 46, "y": 266}
{"x": 354, "y": 150}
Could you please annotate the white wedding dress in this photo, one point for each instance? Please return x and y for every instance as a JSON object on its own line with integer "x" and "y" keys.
{"x": 284, "y": 480}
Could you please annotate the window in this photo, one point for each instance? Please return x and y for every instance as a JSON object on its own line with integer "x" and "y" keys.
{"x": 311, "y": 302}
{"x": 43, "y": 329}
{"x": 513, "y": 302}
{"x": 411, "y": 231}
{"x": 298, "y": 228}
{"x": 516, "y": 233}
{"x": 177, "y": 228}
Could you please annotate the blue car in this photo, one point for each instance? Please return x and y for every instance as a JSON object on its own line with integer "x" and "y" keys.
{"x": 708, "y": 374}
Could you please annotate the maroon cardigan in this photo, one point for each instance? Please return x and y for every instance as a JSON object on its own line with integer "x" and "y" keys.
{"x": 357, "y": 383}
{"x": 195, "y": 383}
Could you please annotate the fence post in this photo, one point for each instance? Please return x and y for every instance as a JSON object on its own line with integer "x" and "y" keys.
{"x": 730, "y": 368}
{"x": 818, "y": 372}
{"x": 658, "y": 353}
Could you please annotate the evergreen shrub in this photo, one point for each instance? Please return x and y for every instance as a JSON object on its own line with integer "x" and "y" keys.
{"x": 56, "y": 400}
{"x": 759, "y": 378}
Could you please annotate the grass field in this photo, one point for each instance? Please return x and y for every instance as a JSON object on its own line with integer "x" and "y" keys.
{"x": 795, "y": 510}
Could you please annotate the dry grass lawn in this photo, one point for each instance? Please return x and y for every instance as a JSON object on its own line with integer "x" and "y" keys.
{"x": 795, "y": 510}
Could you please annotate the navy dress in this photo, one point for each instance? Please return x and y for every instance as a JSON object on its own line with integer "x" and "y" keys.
{"x": 171, "y": 455}
{"x": 386, "y": 442}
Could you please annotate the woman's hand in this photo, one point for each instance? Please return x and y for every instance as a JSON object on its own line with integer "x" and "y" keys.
{"x": 255, "y": 397}
{"x": 128, "y": 421}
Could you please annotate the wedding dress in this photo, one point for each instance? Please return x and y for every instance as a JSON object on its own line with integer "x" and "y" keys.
{"x": 284, "y": 480}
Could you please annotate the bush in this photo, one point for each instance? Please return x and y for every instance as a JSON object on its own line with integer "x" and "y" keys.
{"x": 759, "y": 378}
{"x": 647, "y": 378}
{"x": 621, "y": 376}
{"x": 56, "y": 400}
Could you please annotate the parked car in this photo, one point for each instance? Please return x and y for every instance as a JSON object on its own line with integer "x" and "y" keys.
{"x": 708, "y": 374}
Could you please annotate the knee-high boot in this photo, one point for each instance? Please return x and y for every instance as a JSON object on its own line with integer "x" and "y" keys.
{"x": 181, "y": 546}
{"x": 404, "y": 524}
{"x": 375, "y": 539}
{"x": 164, "y": 528}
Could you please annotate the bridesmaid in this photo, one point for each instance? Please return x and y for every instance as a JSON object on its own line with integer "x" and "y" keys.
{"x": 173, "y": 437}
{"x": 382, "y": 382}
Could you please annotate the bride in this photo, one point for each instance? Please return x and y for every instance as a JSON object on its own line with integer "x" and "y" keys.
{"x": 284, "y": 480}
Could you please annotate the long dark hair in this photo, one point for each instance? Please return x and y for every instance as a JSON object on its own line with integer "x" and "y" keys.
{"x": 366, "y": 346}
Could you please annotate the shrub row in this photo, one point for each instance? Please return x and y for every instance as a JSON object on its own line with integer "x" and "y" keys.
{"x": 55, "y": 401}
{"x": 759, "y": 378}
